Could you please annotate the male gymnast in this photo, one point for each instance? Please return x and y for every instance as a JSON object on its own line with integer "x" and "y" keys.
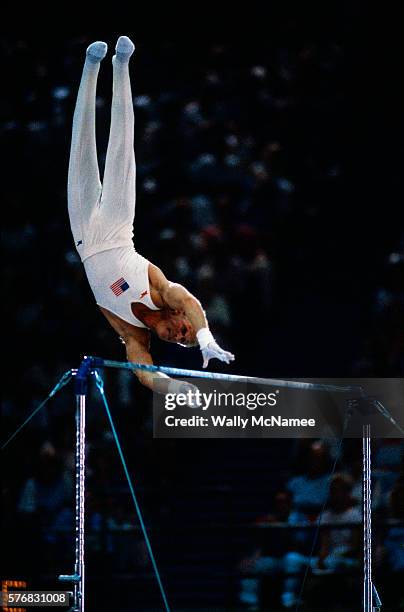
{"x": 132, "y": 293}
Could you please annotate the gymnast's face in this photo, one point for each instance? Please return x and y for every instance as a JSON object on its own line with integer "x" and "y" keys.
{"x": 176, "y": 328}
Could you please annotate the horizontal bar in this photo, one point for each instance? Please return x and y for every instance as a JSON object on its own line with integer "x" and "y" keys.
{"x": 272, "y": 382}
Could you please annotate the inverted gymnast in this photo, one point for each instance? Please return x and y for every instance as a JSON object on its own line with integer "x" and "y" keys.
{"x": 132, "y": 293}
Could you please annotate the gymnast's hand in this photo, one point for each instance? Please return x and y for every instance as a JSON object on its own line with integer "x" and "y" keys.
{"x": 191, "y": 392}
{"x": 193, "y": 395}
{"x": 210, "y": 349}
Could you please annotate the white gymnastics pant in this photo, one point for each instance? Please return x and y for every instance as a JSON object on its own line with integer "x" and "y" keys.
{"x": 101, "y": 215}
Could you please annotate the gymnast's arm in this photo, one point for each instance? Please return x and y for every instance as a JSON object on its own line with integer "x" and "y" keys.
{"x": 138, "y": 351}
{"x": 137, "y": 344}
{"x": 178, "y": 298}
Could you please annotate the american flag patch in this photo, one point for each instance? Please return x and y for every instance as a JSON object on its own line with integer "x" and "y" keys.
{"x": 119, "y": 286}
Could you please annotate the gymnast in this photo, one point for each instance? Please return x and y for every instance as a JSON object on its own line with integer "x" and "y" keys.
{"x": 132, "y": 293}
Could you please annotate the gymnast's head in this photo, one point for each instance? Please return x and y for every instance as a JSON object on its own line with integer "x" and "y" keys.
{"x": 175, "y": 327}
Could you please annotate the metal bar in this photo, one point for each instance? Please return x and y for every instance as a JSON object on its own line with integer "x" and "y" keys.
{"x": 274, "y": 382}
{"x": 367, "y": 523}
{"x": 77, "y": 578}
{"x": 79, "y": 510}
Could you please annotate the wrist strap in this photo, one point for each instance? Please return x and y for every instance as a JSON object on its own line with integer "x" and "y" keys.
{"x": 204, "y": 337}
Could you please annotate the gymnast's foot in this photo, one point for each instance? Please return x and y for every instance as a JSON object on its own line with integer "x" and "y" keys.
{"x": 96, "y": 51}
{"x": 124, "y": 49}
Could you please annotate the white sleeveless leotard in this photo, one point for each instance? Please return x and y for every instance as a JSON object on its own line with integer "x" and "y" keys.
{"x": 118, "y": 277}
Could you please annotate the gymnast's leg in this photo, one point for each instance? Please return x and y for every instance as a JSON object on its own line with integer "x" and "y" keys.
{"x": 119, "y": 184}
{"x": 84, "y": 186}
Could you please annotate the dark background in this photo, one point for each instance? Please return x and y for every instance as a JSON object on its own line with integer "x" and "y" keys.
{"x": 268, "y": 167}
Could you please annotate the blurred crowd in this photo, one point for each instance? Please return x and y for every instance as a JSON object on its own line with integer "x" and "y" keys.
{"x": 313, "y": 498}
{"x": 279, "y": 544}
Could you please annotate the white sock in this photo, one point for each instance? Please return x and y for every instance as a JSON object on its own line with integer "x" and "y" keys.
{"x": 96, "y": 51}
{"x": 124, "y": 49}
